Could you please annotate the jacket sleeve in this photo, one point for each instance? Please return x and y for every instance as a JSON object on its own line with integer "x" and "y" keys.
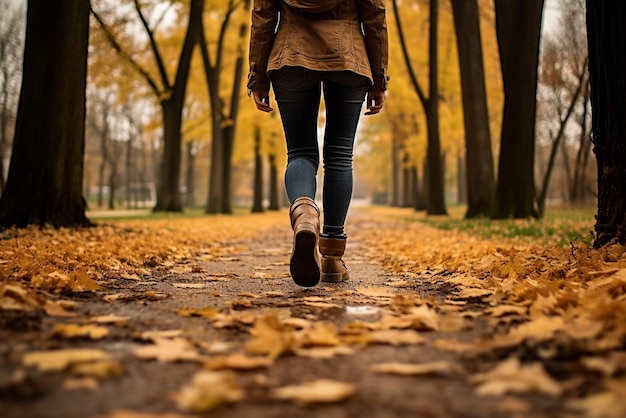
{"x": 262, "y": 32}
{"x": 373, "y": 16}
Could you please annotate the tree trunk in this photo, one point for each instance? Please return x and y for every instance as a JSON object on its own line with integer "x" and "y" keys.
{"x": 168, "y": 194}
{"x": 190, "y": 175}
{"x": 607, "y": 65}
{"x": 435, "y": 202}
{"x": 461, "y": 170}
{"x": 273, "y": 183}
{"x": 480, "y": 183}
{"x": 44, "y": 184}
{"x": 228, "y": 134}
{"x": 257, "y": 205}
{"x": 518, "y": 28}
{"x": 395, "y": 171}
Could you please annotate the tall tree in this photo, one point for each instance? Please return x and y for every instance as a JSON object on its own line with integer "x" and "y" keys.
{"x": 44, "y": 185}
{"x": 606, "y": 35}
{"x": 518, "y": 27}
{"x": 223, "y": 124}
{"x": 435, "y": 202}
{"x": 479, "y": 159}
{"x": 171, "y": 97}
{"x": 11, "y": 48}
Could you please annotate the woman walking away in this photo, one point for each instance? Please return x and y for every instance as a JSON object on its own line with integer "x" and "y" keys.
{"x": 306, "y": 48}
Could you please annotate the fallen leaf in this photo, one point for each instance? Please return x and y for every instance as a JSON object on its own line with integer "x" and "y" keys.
{"x": 58, "y": 360}
{"x": 390, "y": 337}
{"x": 238, "y": 362}
{"x": 168, "y": 350}
{"x": 539, "y": 329}
{"x": 111, "y": 319}
{"x": 92, "y": 332}
{"x": 57, "y": 310}
{"x": 156, "y": 335}
{"x": 270, "y": 337}
{"x": 320, "y": 353}
{"x": 98, "y": 369}
{"x": 190, "y": 285}
{"x": 318, "y": 391}
{"x": 610, "y": 403}
{"x": 439, "y": 368}
{"x": 209, "y": 390}
{"x": 511, "y": 376}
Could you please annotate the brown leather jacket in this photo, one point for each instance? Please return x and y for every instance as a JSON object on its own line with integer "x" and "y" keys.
{"x": 331, "y": 40}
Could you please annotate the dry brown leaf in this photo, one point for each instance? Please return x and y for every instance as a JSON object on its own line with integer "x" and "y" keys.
{"x": 390, "y": 337}
{"x": 499, "y": 311}
{"x": 320, "y": 353}
{"x": 321, "y": 305}
{"x": 99, "y": 369}
{"x": 58, "y": 360}
{"x": 439, "y": 368}
{"x": 511, "y": 376}
{"x": 57, "y": 310}
{"x": 120, "y": 321}
{"x": 156, "y": 295}
{"x": 583, "y": 329}
{"x": 168, "y": 350}
{"x": 539, "y": 329}
{"x": 318, "y": 391}
{"x": 610, "y": 403}
{"x": 160, "y": 334}
{"x": 241, "y": 304}
{"x": 209, "y": 390}
{"x": 239, "y": 362}
{"x": 92, "y": 332}
{"x": 190, "y": 285}
{"x": 319, "y": 334}
{"x": 270, "y": 337}
{"x": 14, "y": 297}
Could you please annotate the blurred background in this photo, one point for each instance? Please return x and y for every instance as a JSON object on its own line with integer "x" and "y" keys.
{"x": 232, "y": 156}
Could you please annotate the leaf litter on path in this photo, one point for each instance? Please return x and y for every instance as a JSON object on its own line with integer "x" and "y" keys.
{"x": 457, "y": 296}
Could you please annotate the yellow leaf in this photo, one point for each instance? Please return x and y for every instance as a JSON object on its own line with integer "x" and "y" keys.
{"x": 209, "y": 390}
{"x": 318, "y": 391}
{"x": 168, "y": 350}
{"x": 239, "y": 362}
{"x": 442, "y": 368}
{"x": 92, "y": 332}
{"x": 270, "y": 337}
{"x": 510, "y": 376}
{"x": 58, "y": 360}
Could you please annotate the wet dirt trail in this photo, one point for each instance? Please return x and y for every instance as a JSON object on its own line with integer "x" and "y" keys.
{"x": 232, "y": 336}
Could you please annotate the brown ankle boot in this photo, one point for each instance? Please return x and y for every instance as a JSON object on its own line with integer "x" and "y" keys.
{"x": 305, "y": 222}
{"x": 333, "y": 267}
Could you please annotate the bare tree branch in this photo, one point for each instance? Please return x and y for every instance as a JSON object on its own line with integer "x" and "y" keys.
{"x": 154, "y": 46}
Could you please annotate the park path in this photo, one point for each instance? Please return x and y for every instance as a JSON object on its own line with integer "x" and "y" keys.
{"x": 233, "y": 335}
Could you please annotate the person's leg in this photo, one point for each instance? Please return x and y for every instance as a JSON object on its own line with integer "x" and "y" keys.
{"x": 297, "y": 93}
{"x": 344, "y": 93}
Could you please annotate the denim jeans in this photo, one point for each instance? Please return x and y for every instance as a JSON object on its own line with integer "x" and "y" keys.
{"x": 297, "y": 91}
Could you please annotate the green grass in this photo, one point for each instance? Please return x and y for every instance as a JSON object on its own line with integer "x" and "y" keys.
{"x": 559, "y": 227}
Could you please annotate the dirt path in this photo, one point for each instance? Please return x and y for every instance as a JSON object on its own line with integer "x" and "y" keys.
{"x": 215, "y": 307}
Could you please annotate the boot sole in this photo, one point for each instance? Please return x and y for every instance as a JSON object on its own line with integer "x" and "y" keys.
{"x": 304, "y": 267}
{"x": 334, "y": 277}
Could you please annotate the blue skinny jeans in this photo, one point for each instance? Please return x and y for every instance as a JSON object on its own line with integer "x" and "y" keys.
{"x": 297, "y": 91}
